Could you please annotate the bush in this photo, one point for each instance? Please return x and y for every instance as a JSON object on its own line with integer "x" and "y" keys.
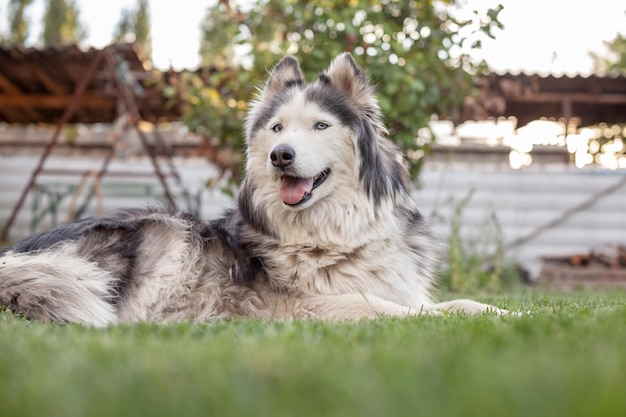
{"x": 416, "y": 51}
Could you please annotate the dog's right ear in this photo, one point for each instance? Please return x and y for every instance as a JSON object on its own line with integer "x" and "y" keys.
{"x": 285, "y": 74}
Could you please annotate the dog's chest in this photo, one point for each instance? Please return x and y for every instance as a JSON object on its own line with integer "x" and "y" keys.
{"x": 296, "y": 262}
{"x": 380, "y": 268}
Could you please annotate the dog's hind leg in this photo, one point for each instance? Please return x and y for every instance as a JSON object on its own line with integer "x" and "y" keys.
{"x": 56, "y": 285}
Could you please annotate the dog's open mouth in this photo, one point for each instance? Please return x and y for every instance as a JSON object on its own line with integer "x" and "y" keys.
{"x": 296, "y": 190}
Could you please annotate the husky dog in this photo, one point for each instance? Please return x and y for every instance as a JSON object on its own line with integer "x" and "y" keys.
{"x": 324, "y": 228}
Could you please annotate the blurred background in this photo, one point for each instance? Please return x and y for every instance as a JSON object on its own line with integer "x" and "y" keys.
{"x": 512, "y": 116}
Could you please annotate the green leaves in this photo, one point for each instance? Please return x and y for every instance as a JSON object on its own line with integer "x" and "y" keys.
{"x": 415, "y": 51}
{"x": 61, "y": 23}
{"x": 614, "y": 63}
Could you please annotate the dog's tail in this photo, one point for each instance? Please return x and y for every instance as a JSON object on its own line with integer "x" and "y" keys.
{"x": 56, "y": 286}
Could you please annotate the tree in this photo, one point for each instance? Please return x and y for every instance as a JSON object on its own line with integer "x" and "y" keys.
{"x": 416, "y": 51}
{"x": 606, "y": 144}
{"x": 134, "y": 26}
{"x": 124, "y": 30}
{"x": 615, "y": 61}
{"x": 142, "y": 26}
{"x": 61, "y": 24}
{"x": 18, "y": 24}
{"x": 220, "y": 29}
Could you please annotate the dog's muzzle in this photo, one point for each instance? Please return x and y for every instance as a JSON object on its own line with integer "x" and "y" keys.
{"x": 294, "y": 190}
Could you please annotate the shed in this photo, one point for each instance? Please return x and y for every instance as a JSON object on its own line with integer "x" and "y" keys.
{"x": 38, "y": 85}
{"x": 60, "y": 85}
{"x": 587, "y": 100}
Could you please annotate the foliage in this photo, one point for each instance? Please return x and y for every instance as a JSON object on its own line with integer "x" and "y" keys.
{"x": 216, "y": 108}
{"x": 18, "y": 24}
{"x": 142, "y": 26}
{"x": 134, "y": 26}
{"x": 566, "y": 359}
{"x": 604, "y": 145}
{"x": 615, "y": 61}
{"x": 220, "y": 28}
{"x": 477, "y": 263}
{"x": 61, "y": 23}
{"x": 415, "y": 51}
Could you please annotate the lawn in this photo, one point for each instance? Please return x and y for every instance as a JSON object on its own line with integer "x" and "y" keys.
{"x": 568, "y": 358}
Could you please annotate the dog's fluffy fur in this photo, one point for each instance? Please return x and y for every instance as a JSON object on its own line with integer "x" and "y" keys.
{"x": 324, "y": 228}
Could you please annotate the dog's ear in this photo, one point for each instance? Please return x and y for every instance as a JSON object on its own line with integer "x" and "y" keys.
{"x": 382, "y": 172}
{"x": 286, "y": 73}
{"x": 350, "y": 78}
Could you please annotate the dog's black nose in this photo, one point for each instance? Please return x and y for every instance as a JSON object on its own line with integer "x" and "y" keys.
{"x": 282, "y": 155}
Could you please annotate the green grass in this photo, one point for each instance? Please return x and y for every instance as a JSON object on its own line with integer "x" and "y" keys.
{"x": 568, "y": 358}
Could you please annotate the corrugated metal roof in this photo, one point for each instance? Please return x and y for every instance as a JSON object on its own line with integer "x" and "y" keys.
{"x": 557, "y": 75}
{"x": 592, "y": 83}
{"x": 588, "y": 99}
{"x": 36, "y": 85}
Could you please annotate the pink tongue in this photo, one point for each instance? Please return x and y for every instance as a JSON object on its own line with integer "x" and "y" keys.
{"x": 294, "y": 189}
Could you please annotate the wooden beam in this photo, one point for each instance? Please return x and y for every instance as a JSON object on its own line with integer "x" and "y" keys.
{"x": 566, "y": 110}
{"x": 7, "y": 86}
{"x": 11, "y": 114}
{"x": 69, "y": 111}
{"x": 47, "y": 80}
{"x": 31, "y": 114}
{"x": 48, "y": 101}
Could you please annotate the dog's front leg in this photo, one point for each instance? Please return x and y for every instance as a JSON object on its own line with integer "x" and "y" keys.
{"x": 352, "y": 306}
{"x": 468, "y": 307}
{"x": 356, "y": 306}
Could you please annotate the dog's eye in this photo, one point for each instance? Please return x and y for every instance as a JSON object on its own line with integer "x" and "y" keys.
{"x": 321, "y": 125}
{"x": 277, "y": 127}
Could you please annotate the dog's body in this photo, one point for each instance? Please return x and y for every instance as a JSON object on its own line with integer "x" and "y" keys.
{"x": 324, "y": 228}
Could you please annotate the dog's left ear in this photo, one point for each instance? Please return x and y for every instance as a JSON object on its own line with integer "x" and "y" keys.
{"x": 286, "y": 73}
{"x": 350, "y": 78}
{"x": 381, "y": 169}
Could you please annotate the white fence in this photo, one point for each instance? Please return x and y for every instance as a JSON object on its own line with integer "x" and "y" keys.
{"x": 545, "y": 209}
{"x": 57, "y": 196}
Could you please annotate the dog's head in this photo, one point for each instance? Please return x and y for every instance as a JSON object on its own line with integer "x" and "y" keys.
{"x": 318, "y": 143}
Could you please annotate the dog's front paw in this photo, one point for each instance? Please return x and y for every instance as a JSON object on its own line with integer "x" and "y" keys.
{"x": 472, "y": 307}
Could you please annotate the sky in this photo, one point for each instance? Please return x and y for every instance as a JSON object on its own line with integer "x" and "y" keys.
{"x": 544, "y": 36}
{"x": 553, "y": 36}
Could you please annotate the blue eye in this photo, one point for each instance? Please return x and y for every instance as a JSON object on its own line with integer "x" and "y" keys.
{"x": 277, "y": 127}
{"x": 321, "y": 125}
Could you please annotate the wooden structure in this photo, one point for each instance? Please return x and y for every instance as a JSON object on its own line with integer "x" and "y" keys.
{"x": 37, "y": 85}
{"x": 587, "y": 100}
{"x": 602, "y": 267}
{"x": 68, "y": 85}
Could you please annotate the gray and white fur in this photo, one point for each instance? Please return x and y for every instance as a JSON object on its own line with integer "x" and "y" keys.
{"x": 324, "y": 228}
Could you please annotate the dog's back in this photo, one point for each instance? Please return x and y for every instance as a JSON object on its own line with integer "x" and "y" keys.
{"x": 138, "y": 265}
